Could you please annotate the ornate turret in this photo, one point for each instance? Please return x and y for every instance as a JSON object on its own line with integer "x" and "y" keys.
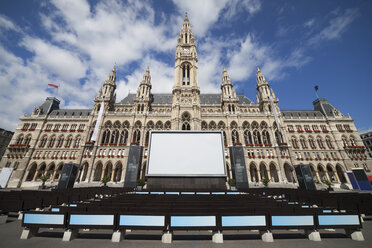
{"x": 265, "y": 94}
{"x": 229, "y": 99}
{"x": 143, "y": 96}
{"x": 107, "y": 93}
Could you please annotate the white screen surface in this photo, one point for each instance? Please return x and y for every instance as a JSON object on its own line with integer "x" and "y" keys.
{"x": 186, "y": 154}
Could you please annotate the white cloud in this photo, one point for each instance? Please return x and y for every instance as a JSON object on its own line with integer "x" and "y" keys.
{"x": 7, "y": 24}
{"x": 336, "y": 26}
{"x": 309, "y": 23}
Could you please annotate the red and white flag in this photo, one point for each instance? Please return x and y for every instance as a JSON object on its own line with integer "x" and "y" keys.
{"x": 53, "y": 86}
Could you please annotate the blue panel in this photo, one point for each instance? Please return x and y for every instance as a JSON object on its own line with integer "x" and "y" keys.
{"x": 141, "y": 220}
{"x": 218, "y": 193}
{"x": 303, "y": 220}
{"x": 305, "y": 206}
{"x": 73, "y": 205}
{"x": 171, "y": 193}
{"x": 193, "y": 221}
{"x": 187, "y": 193}
{"x": 55, "y": 209}
{"x": 157, "y": 193}
{"x": 353, "y": 180}
{"x": 141, "y": 193}
{"x": 53, "y": 219}
{"x": 330, "y": 220}
{"x": 232, "y": 193}
{"x": 202, "y": 193}
{"x": 90, "y": 219}
{"x": 259, "y": 220}
{"x": 291, "y": 203}
{"x": 327, "y": 211}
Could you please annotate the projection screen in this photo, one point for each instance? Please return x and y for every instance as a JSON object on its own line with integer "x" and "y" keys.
{"x": 186, "y": 153}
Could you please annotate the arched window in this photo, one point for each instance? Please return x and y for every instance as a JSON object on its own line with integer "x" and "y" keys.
{"x": 221, "y": 125}
{"x": 167, "y": 125}
{"x": 329, "y": 142}
{"x": 352, "y": 141}
{"x": 248, "y": 137}
{"x": 212, "y": 125}
{"x": 159, "y": 125}
{"x": 303, "y": 142}
{"x": 256, "y": 137}
{"x": 186, "y": 74}
{"x": 234, "y": 136}
{"x": 52, "y": 141}
{"x": 204, "y": 125}
{"x": 28, "y": 139}
{"x": 68, "y": 141}
{"x": 60, "y": 141}
{"x": 43, "y": 141}
{"x": 294, "y": 142}
{"x": 115, "y": 137}
{"x": 106, "y": 136}
{"x": 136, "y": 136}
{"x": 77, "y": 141}
{"x": 320, "y": 142}
{"x": 266, "y": 137}
{"x": 345, "y": 141}
{"x": 123, "y": 137}
{"x": 186, "y": 121}
{"x": 19, "y": 139}
{"x": 312, "y": 142}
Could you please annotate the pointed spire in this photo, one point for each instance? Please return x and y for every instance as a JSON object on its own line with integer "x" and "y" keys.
{"x": 112, "y": 77}
{"x": 146, "y": 77}
{"x": 225, "y": 77}
{"x": 260, "y": 76}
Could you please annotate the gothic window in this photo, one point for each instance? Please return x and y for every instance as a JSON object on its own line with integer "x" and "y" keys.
{"x": 221, "y": 125}
{"x": 186, "y": 121}
{"x": 33, "y": 125}
{"x": 73, "y": 127}
{"x": 329, "y": 142}
{"x": 248, "y": 137}
{"x": 303, "y": 142}
{"x": 185, "y": 74}
{"x": 320, "y": 142}
{"x": 19, "y": 139}
{"x": 115, "y": 137}
{"x": 290, "y": 128}
{"x": 233, "y": 125}
{"x": 246, "y": 125}
{"x": 204, "y": 125}
{"x": 159, "y": 125}
{"x": 25, "y": 126}
{"x": 263, "y": 125}
{"x": 299, "y": 128}
{"x": 68, "y": 141}
{"x": 234, "y": 136}
{"x": 52, "y": 141}
{"x": 347, "y": 127}
{"x": 126, "y": 124}
{"x": 167, "y": 125}
{"x": 28, "y": 139}
{"x": 323, "y": 127}
{"x": 254, "y": 125}
{"x": 266, "y": 137}
{"x": 57, "y": 127}
{"x": 212, "y": 125}
{"x": 77, "y": 141}
{"x": 307, "y": 128}
{"x": 106, "y": 136}
{"x": 352, "y": 141}
{"x": 147, "y": 137}
{"x": 312, "y": 142}
{"x": 138, "y": 124}
{"x": 123, "y": 136}
{"x": 136, "y": 136}
{"x": 315, "y": 128}
{"x": 49, "y": 126}
{"x": 82, "y": 126}
{"x": 65, "y": 127}
{"x": 256, "y": 137}
{"x": 294, "y": 142}
{"x": 43, "y": 141}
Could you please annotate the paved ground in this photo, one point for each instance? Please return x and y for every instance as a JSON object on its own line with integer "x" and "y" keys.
{"x": 11, "y": 232}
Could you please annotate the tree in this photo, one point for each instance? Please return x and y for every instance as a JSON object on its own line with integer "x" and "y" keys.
{"x": 265, "y": 181}
{"x": 44, "y": 178}
{"x": 105, "y": 180}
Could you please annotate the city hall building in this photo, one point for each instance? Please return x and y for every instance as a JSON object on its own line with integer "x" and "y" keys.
{"x": 274, "y": 140}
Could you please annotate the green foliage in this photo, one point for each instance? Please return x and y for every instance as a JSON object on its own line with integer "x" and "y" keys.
{"x": 232, "y": 182}
{"x": 265, "y": 181}
{"x": 44, "y": 178}
{"x": 328, "y": 183}
{"x": 140, "y": 182}
{"x": 105, "y": 180}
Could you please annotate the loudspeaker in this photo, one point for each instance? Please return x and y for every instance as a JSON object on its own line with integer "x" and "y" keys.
{"x": 133, "y": 166}
{"x": 238, "y": 167}
{"x": 305, "y": 177}
{"x": 68, "y": 176}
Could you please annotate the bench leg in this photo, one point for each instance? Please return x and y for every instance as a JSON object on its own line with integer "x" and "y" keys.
{"x": 167, "y": 237}
{"x": 313, "y": 235}
{"x": 70, "y": 234}
{"x": 3, "y": 218}
{"x": 267, "y": 236}
{"x": 355, "y": 234}
{"x": 217, "y": 237}
{"x": 29, "y": 232}
{"x": 117, "y": 236}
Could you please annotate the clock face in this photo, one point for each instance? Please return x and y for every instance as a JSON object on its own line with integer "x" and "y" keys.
{"x": 186, "y": 50}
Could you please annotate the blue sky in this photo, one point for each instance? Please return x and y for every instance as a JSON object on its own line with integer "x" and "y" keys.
{"x": 297, "y": 44}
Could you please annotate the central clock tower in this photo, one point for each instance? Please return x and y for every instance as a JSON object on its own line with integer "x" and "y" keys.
{"x": 186, "y": 92}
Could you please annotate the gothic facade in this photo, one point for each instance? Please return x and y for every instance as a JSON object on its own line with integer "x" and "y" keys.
{"x": 274, "y": 140}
